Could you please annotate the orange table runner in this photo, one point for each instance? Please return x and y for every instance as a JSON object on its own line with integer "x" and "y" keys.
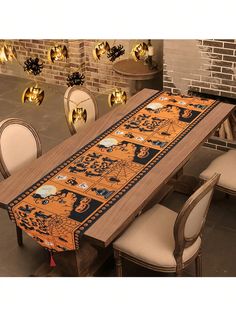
{"x": 58, "y": 209}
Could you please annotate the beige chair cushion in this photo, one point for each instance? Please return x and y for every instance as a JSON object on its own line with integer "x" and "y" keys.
{"x": 18, "y": 147}
{"x": 226, "y": 166}
{"x": 150, "y": 238}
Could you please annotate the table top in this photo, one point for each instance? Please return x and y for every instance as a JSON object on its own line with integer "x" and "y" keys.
{"x": 136, "y": 70}
{"x": 109, "y": 226}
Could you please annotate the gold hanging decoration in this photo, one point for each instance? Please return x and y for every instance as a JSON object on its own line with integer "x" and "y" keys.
{"x": 57, "y": 53}
{"x": 7, "y": 53}
{"x": 33, "y": 94}
{"x": 100, "y": 49}
{"x": 117, "y": 97}
{"x": 78, "y": 114}
{"x": 139, "y": 51}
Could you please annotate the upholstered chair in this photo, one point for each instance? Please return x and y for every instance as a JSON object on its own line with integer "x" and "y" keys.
{"x": 80, "y": 107}
{"x": 19, "y": 145}
{"x": 164, "y": 241}
{"x": 226, "y": 166}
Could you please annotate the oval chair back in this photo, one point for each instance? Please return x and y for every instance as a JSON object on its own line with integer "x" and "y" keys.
{"x": 19, "y": 144}
{"x": 191, "y": 218}
{"x": 80, "y": 107}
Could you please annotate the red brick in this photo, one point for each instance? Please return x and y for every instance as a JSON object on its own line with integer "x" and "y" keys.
{"x": 213, "y": 43}
{"x": 228, "y": 40}
{"x": 175, "y": 91}
{"x": 167, "y": 89}
{"x": 230, "y": 45}
{"x": 60, "y": 78}
{"x": 200, "y": 84}
{"x": 227, "y": 82}
{"x": 167, "y": 78}
{"x": 229, "y": 95}
{"x": 214, "y": 68}
{"x": 169, "y": 84}
{"x": 92, "y": 69}
{"x": 222, "y": 75}
{"x": 224, "y": 51}
{"x": 214, "y": 56}
{"x": 230, "y": 58}
{"x": 227, "y": 70}
{"x": 210, "y": 91}
{"x": 194, "y": 89}
{"x": 222, "y": 63}
{"x": 29, "y": 45}
{"x": 220, "y": 87}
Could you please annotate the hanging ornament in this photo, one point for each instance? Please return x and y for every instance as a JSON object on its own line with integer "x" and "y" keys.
{"x": 33, "y": 94}
{"x": 139, "y": 51}
{"x": 52, "y": 261}
{"x": 3, "y": 57}
{"x": 100, "y": 49}
{"x": 76, "y": 78}
{"x": 7, "y": 53}
{"x": 78, "y": 114}
{"x": 115, "y": 52}
{"x": 57, "y": 53}
{"x": 117, "y": 97}
{"x": 32, "y": 66}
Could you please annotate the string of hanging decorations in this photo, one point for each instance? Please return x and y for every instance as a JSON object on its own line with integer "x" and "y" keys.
{"x": 59, "y": 53}
{"x": 113, "y": 53}
{"x": 140, "y": 52}
{"x": 34, "y": 66}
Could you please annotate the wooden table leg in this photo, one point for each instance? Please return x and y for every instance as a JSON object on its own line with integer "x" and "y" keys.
{"x": 84, "y": 262}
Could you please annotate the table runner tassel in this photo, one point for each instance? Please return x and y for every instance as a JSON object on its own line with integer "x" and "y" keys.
{"x": 52, "y": 261}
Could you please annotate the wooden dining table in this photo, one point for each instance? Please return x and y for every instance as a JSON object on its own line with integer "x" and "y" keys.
{"x": 97, "y": 240}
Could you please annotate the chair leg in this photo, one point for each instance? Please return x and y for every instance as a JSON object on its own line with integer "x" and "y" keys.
{"x": 179, "y": 266}
{"x": 198, "y": 264}
{"x": 118, "y": 262}
{"x": 179, "y": 272}
{"x": 19, "y": 236}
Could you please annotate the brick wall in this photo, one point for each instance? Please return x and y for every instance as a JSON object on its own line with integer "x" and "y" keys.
{"x": 52, "y": 73}
{"x": 206, "y": 66}
{"x": 99, "y": 75}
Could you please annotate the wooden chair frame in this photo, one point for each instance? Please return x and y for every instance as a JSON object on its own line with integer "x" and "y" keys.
{"x": 3, "y": 168}
{"x": 181, "y": 242}
{"x": 66, "y": 105}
